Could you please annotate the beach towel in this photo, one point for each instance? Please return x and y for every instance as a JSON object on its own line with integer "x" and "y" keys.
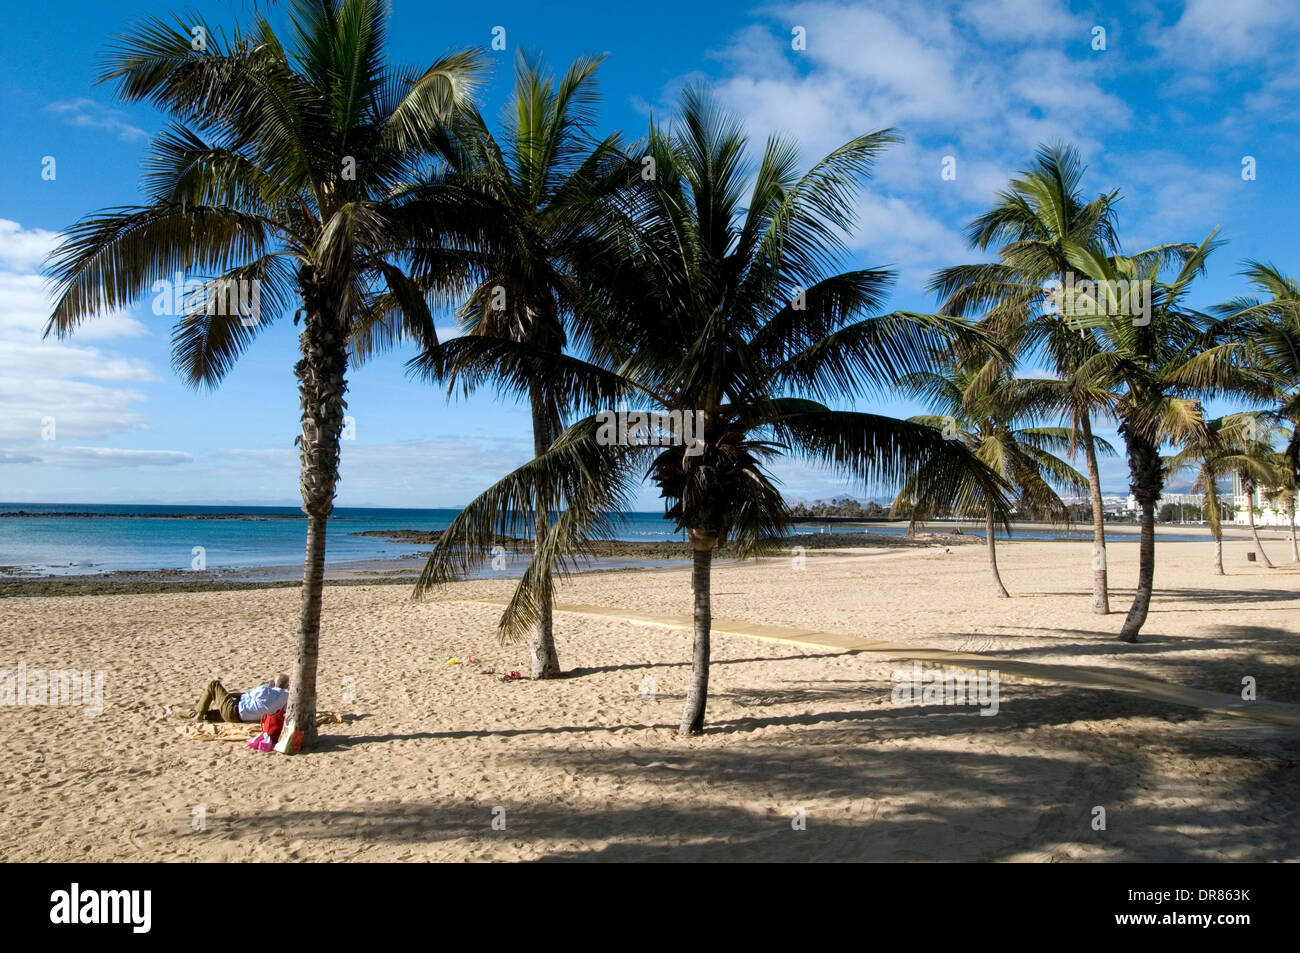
{"x": 242, "y": 730}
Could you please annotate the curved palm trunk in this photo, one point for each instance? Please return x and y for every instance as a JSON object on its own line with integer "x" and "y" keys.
{"x": 991, "y": 537}
{"x": 322, "y": 383}
{"x": 1144, "y": 466}
{"x": 545, "y": 661}
{"x": 697, "y": 694}
{"x": 1100, "y": 582}
{"x": 1254, "y": 530}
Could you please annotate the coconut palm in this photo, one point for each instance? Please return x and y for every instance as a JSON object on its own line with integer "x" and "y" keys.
{"x": 721, "y": 307}
{"x": 1214, "y": 452}
{"x": 546, "y": 179}
{"x": 1288, "y": 485}
{"x": 1270, "y": 320}
{"x": 1258, "y": 466}
{"x": 1037, "y": 222}
{"x": 287, "y": 168}
{"x": 1285, "y": 495}
{"x": 992, "y": 415}
{"x": 1162, "y": 362}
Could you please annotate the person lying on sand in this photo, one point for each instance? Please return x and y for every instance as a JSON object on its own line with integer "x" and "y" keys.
{"x": 265, "y": 699}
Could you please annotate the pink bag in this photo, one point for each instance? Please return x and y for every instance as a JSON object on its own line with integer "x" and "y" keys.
{"x": 261, "y": 742}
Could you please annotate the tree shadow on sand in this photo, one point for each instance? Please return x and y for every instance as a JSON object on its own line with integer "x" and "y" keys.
{"x": 1162, "y": 596}
{"x": 1271, "y": 655}
{"x": 868, "y": 793}
{"x": 632, "y": 666}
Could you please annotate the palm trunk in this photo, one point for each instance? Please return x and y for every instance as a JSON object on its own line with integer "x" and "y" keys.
{"x": 1216, "y": 527}
{"x": 545, "y": 661}
{"x": 321, "y": 385}
{"x": 1145, "y": 469}
{"x": 1216, "y": 530}
{"x": 1100, "y": 583}
{"x": 1254, "y": 530}
{"x": 1137, "y": 614}
{"x": 991, "y": 535}
{"x": 697, "y": 694}
{"x": 1295, "y": 546}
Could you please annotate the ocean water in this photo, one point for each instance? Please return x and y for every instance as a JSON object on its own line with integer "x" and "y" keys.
{"x": 137, "y": 538}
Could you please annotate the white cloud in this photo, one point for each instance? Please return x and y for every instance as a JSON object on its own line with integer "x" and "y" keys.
{"x": 1224, "y": 32}
{"x": 84, "y": 390}
{"x": 1013, "y": 20}
{"x": 985, "y": 83}
{"x": 1168, "y": 198}
{"x": 97, "y": 458}
{"x": 24, "y": 249}
{"x": 7, "y": 456}
{"x": 902, "y": 235}
{"x": 92, "y": 115}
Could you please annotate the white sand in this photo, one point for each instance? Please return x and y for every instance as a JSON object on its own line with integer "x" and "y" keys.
{"x": 586, "y": 768}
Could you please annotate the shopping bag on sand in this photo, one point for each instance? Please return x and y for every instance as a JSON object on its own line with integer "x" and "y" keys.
{"x": 261, "y": 742}
{"x": 290, "y": 739}
{"x": 273, "y": 724}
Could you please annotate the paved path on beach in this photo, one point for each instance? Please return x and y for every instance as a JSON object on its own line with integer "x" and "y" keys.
{"x": 1278, "y": 713}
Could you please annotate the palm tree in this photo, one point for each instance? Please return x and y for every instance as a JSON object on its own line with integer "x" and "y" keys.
{"x": 722, "y": 310}
{"x": 987, "y": 410}
{"x": 1258, "y": 466}
{"x": 286, "y": 168}
{"x": 1270, "y": 320}
{"x": 546, "y": 181}
{"x": 1162, "y": 362}
{"x": 1214, "y": 452}
{"x": 1038, "y": 221}
{"x": 1288, "y": 486}
{"x": 1286, "y": 497}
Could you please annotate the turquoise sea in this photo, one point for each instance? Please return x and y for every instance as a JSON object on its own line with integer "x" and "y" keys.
{"x": 131, "y": 537}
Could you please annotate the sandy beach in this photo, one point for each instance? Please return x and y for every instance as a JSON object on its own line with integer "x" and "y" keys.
{"x": 590, "y": 766}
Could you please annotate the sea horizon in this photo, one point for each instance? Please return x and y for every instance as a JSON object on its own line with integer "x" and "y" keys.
{"x": 73, "y": 539}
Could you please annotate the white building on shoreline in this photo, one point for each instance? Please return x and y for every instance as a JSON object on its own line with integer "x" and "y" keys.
{"x": 1267, "y": 512}
{"x": 1178, "y": 499}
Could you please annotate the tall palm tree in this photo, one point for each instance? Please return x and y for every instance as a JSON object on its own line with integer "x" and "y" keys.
{"x": 287, "y": 167}
{"x": 722, "y": 308}
{"x": 546, "y": 178}
{"x": 1270, "y": 320}
{"x": 991, "y": 414}
{"x": 1038, "y": 221}
{"x": 1163, "y": 363}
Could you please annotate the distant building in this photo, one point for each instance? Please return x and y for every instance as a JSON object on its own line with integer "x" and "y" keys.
{"x": 1267, "y": 512}
{"x": 1176, "y": 499}
{"x": 1110, "y": 505}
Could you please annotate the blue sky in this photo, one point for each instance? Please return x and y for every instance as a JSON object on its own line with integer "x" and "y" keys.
{"x": 1166, "y": 113}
